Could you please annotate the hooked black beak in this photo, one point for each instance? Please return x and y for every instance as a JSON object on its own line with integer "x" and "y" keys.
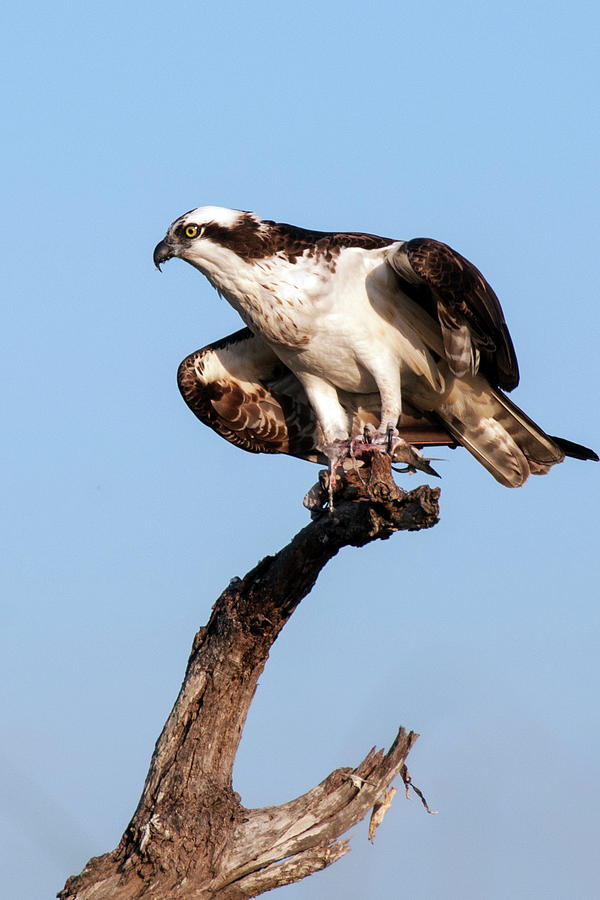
{"x": 162, "y": 252}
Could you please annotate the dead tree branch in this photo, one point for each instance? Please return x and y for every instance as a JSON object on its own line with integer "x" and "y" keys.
{"x": 190, "y": 836}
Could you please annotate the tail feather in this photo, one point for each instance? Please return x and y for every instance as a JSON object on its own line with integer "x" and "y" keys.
{"x": 575, "y": 451}
{"x": 501, "y": 436}
{"x": 493, "y": 447}
{"x": 541, "y": 451}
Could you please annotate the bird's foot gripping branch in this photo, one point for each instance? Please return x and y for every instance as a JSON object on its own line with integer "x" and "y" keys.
{"x": 370, "y": 482}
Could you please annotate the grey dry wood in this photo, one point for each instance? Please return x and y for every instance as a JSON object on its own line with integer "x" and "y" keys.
{"x": 190, "y": 836}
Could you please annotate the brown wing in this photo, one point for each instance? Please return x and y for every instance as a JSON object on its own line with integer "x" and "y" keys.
{"x": 240, "y": 389}
{"x": 474, "y": 331}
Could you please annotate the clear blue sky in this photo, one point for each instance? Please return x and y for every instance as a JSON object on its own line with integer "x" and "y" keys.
{"x": 477, "y": 124}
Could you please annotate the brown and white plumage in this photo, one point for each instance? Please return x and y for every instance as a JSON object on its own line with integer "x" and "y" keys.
{"x": 351, "y": 331}
{"x": 243, "y": 391}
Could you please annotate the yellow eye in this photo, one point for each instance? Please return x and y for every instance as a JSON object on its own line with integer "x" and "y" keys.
{"x": 191, "y": 231}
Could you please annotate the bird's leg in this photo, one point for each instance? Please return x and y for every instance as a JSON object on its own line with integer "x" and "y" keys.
{"x": 333, "y": 422}
{"x": 386, "y": 439}
{"x": 390, "y": 392}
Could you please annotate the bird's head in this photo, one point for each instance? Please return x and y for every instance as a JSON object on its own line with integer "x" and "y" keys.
{"x": 205, "y": 237}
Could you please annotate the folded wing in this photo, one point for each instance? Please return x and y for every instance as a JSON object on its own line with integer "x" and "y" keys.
{"x": 455, "y": 293}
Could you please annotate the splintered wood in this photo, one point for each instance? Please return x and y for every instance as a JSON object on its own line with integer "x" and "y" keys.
{"x": 190, "y": 837}
{"x": 379, "y": 810}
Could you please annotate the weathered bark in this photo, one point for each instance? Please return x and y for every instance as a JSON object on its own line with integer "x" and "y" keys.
{"x": 190, "y": 836}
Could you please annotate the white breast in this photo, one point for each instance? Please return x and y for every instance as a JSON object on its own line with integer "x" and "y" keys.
{"x": 335, "y": 319}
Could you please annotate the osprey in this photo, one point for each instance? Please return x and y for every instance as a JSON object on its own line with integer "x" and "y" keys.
{"x": 354, "y": 340}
